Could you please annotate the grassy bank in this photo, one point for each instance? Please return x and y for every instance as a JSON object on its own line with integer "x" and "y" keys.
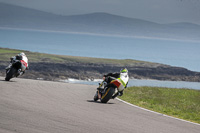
{"x": 6, "y": 53}
{"x": 180, "y": 103}
{"x": 55, "y": 67}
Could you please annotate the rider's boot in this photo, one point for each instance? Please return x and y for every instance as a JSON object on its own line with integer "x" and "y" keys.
{"x": 19, "y": 72}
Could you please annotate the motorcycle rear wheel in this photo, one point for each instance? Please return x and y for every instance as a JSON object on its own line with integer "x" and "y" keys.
{"x": 10, "y": 74}
{"x": 107, "y": 95}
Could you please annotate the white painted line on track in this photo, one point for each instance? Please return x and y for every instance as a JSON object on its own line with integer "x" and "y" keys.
{"x": 156, "y": 112}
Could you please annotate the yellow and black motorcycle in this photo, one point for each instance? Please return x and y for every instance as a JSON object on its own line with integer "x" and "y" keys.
{"x": 106, "y": 91}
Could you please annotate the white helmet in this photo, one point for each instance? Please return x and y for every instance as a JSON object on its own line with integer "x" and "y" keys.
{"x": 22, "y": 54}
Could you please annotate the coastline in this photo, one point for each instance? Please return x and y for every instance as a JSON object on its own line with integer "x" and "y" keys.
{"x": 142, "y": 82}
{"x": 57, "y": 67}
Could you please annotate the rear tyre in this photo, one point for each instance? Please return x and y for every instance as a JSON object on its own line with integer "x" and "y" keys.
{"x": 10, "y": 73}
{"x": 107, "y": 95}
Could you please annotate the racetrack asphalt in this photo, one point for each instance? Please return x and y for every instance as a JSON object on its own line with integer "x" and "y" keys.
{"x": 35, "y": 106}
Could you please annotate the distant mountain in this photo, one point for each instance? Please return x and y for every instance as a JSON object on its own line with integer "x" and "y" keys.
{"x": 99, "y": 23}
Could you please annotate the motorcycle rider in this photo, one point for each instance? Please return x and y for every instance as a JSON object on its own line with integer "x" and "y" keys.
{"x": 24, "y": 60}
{"x": 122, "y": 76}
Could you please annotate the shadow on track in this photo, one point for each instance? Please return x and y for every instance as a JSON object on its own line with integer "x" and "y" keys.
{"x": 7, "y": 81}
{"x": 99, "y": 102}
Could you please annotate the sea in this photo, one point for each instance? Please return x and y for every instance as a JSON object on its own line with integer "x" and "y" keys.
{"x": 143, "y": 82}
{"x": 172, "y": 52}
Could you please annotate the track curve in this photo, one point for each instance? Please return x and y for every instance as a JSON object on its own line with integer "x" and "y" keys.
{"x": 33, "y": 106}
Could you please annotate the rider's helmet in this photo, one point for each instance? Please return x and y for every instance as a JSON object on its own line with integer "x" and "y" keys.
{"x": 123, "y": 73}
{"x": 124, "y": 70}
{"x": 22, "y": 54}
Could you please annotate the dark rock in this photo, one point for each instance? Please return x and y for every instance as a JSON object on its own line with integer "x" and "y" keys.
{"x": 55, "y": 71}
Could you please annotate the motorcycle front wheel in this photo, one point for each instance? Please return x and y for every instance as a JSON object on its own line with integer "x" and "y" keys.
{"x": 96, "y": 96}
{"x": 107, "y": 95}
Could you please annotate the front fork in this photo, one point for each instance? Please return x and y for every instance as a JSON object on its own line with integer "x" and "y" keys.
{"x": 99, "y": 88}
{"x": 99, "y": 95}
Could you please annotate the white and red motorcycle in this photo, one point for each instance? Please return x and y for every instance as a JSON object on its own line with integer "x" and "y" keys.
{"x": 17, "y": 68}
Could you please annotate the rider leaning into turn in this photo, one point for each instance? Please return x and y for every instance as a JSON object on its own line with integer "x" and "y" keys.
{"x": 22, "y": 57}
{"x": 122, "y": 76}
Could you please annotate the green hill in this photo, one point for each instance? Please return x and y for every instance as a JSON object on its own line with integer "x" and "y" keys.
{"x": 56, "y": 67}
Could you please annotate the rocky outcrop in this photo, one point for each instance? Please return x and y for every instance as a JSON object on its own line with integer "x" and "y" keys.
{"x": 56, "y": 71}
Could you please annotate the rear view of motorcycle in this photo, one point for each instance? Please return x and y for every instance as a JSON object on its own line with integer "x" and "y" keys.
{"x": 14, "y": 70}
{"x": 105, "y": 91}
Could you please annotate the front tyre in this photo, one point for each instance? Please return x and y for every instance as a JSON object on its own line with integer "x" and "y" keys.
{"x": 107, "y": 95}
{"x": 96, "y": 96}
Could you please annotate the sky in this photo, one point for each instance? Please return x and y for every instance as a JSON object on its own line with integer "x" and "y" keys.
{"x": 160, "y": 11}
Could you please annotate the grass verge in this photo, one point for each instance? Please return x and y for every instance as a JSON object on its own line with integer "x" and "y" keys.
{"x": 179, "y": 103}
{"x": 6, "y": 53}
